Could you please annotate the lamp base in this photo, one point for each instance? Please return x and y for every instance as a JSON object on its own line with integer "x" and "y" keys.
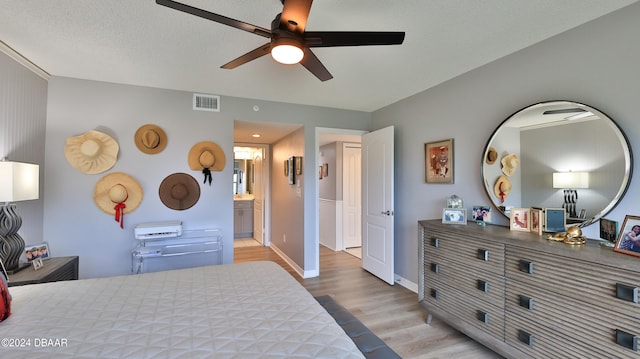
{"x": 21, "y": 266}
{"x": 11, "y": 244}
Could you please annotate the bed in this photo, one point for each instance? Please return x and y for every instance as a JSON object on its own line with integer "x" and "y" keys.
{"x": 248, "y": 310}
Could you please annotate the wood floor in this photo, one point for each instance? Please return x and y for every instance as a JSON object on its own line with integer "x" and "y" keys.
{"x": 391, "y": 312}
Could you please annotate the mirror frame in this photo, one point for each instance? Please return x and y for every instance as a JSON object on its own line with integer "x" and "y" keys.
{"x": 624, "y": 142}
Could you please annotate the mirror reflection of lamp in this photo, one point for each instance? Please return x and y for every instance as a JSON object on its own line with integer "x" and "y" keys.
{"x": 18, "y": 182}
{"x": 570, "y": 182}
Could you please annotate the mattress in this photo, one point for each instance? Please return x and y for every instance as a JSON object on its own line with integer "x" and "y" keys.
{"x": 248, "y": 310}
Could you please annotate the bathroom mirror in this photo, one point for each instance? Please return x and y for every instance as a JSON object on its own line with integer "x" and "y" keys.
{"x": 560, "y": 137}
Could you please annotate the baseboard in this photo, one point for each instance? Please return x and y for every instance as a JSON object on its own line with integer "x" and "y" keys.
{"x": 301, "y": 272}
{"x": 406, "y": 283}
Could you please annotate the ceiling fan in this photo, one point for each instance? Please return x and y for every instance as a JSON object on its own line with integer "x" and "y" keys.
{"x": 289, "y": 42}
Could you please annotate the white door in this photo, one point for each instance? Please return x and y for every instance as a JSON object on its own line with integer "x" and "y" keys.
{"x": 258, "y": 195}
{"x": 377, "y": 204}
{"x": 352, "y": 195}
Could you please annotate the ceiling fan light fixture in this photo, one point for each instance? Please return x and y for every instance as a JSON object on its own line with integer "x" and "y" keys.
{"x": 287, "y": 51}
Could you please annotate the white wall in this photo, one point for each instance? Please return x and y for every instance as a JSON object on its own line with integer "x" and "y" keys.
{"x": 73, "y": 225}
{"x": 595, "y": 64}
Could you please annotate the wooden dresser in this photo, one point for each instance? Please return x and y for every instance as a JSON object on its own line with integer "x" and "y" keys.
{"x": 54, "y": 269}
{"x": 526, "y": 297}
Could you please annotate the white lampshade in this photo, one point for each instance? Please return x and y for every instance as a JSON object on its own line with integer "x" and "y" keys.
{"x": 571, "y": 180}
{"x": 18, "y": 181}
{"x": 287, "y": 53}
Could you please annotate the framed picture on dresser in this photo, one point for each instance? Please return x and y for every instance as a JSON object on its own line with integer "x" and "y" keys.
{"x": 520, "y": 219}
{"x": 629, "y": 237}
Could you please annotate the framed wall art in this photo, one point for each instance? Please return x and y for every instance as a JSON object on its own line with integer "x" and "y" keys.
{"x": 454, "y": 215}
{"x": 520, "y": 219}
{"x": 438, "y": 161}
{"x": 628, "y": 241}
{"x": 291, "y": 172}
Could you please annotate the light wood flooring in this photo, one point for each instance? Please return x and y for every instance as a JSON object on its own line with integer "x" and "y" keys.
{"x": 391, "y": 312}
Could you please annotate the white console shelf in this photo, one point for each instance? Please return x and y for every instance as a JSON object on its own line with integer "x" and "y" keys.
{"x": 198, "y": 247}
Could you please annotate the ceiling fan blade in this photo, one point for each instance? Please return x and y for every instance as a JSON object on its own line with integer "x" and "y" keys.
{"x": 295, "y": 14}
{"x": 249, "y": 56}
{"x": 352, "y": 38}
{"x": 313, "y": 64}
{"x": 215, "y": 17}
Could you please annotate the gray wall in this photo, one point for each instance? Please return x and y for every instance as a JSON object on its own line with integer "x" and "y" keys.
{"x": 73, "y": 225}
{"x": 595, "y": 64}
{"x": 23, "y": 110}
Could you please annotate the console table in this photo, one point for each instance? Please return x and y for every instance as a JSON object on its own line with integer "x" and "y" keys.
{"x": 526, "y": 297}
{"x": 54, "y": 269}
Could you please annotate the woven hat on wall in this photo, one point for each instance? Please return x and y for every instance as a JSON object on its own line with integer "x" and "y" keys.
{"x": 150, "y": 139}
{"x": 492, "y": 155}
{"x": 117, "y": 193}
{"x": 179, "y": 191}
{"x": 502, "y": 187}
{"x": 206, "y": 156}
{"x": 92, "y": 152}
{"x": 510, "y": 164}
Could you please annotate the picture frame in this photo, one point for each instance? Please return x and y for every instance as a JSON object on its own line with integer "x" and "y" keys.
{"x": 320, "y": 172}
{"x": 554, "y": 220}
{"x": 37, "y": 263}
{"x": 298, "y": 165}
{"x": 520, "y": 219}
{"x": 454, "y": 215}
{"x": 536, "y": 221}
{"x": 438, "y": 161}
{"x": 291, "y": 174}
{"x": 481, "y": 214}
{"x": 608, "y": 230}
{"x": 628, "y": 241}
{"x": 286, "y": 167}
{"x": 325, "y": 170}
{"x": 37, "y": 251}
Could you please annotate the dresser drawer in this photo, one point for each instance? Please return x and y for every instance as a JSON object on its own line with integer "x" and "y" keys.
{"x": 476, "y": 283}
{"x": 474, "y": 252}
{"x": 569, "y": 319}
{"x": 581, "y": 281}
{"x": 478, "y": 313}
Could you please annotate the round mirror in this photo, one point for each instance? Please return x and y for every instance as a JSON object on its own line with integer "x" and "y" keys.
{"x": 558, "y": 154}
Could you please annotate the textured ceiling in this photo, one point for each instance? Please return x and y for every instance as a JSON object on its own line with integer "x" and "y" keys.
{"x": 142, "y": 43}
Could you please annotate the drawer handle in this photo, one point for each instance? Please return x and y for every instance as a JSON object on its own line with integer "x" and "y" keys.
{"x": 482, "y": 316}
{"x": 627, "y": 292}
{"x": 482, "y": 285}
{"x": 434, "y": 293}
{"x": 525, "y": 337}
{"x": 526, "y": 302}
{"x": 627, "y": 340}
{"x": 526, "y": 266}
{"x": 435, "y": 267}
{"x": 483, "y": 254}
{"x": 435, "y": 242}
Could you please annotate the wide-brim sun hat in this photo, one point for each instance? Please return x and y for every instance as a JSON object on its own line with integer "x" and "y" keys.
{"x": 117, "y": 194}
{"x": 179, "y": 191}
{"x": 206, "y": 155}
{"x": 492, "y": 156}
{"x": 502, "y": 187}
{"x": 150, "y": 139}
{"x": 510, "y": 164}
{"x": 91, "y": 152}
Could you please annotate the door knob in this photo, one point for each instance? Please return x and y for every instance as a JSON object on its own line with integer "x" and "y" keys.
{"x": 387, "y": 213}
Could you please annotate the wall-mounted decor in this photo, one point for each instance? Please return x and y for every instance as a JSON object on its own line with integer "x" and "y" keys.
{"x": 92, "y": 152}
{"x": 179, "y": 191}
{"x": 117, "y": 194}
{"x": 438, "y": 161}
{"x": 454, "y": 215}
{"x": 536, "y": 221}
{"x": 150, "y": 139}
{"x": 608, "y": 229}
{"x": 319, "y": 172}
{"x": 298, "y": 165}
{"x": 520, "y": 219}
{"x": 286, "y": 167}
{"x": 206, "y": 156}
{"x": 629, "y": 238}
{"x": 291, "y": 170}
{"x": 325, "y": 170}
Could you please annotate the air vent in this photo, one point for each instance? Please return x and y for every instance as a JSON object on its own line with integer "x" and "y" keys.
{"x": 206, "y": 102}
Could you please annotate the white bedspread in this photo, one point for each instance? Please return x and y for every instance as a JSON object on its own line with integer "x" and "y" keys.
{"x": 250, "y": 310}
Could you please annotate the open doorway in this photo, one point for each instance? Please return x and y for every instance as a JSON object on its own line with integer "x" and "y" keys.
{"x": 339, "y": 190}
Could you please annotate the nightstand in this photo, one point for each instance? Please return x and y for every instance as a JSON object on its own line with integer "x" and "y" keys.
{"x": 54, "y": 269}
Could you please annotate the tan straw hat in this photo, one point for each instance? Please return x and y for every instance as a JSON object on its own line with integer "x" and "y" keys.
{"x": 179, "y": 191}
{"x": 150, "y": 139}
{"x": 502, "y": 187}
{"x": 492, "y": 155}
{"x": 509, "y": 164}
{"x": 206, "y": 154}
{"x": 117, "y": 194}
{"x": 92, "y": 152}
